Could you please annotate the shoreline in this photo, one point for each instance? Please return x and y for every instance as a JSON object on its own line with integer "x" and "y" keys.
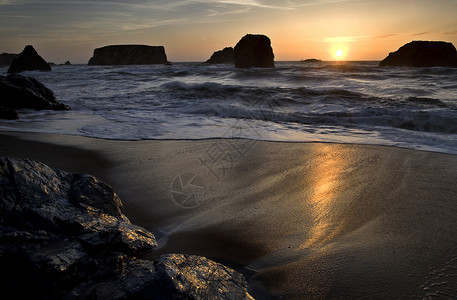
{"x": 310, "y": 219}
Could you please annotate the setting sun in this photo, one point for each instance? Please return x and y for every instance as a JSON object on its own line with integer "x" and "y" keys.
{"x": 339, "y": 53}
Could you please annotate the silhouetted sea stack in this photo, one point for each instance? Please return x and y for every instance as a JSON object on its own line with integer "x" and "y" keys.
{"x": 29, "y": 60}
{"x": 7, "y": 58}
{"x": 225, "y": 56}
{"x": 254, "y": 50}
{"x": 20, "y": 92}
{"x": 129, "y": 55}
{"x": 423, "y": 54}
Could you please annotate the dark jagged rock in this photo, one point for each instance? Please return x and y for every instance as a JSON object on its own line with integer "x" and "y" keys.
{"x": 28, "y": 60}
{"x": 129, "y": 55}
{"x": 8, "y": 113}
{"x": 67, "y": 63}
{"x": 26, "y": 92}
{"x": 7, "y": 58}
{"x": 171, "y": 276}
{"x": 423, "y": 54}
{"x": 225, "y": 56}
{"x": 64, "y": 236}
{"x": 254, "y": 51}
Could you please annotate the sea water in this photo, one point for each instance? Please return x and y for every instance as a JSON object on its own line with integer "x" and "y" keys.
{"x": 344, "y": 102}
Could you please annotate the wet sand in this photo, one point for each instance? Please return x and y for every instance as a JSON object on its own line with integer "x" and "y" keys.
{"x": 301, "y": 220}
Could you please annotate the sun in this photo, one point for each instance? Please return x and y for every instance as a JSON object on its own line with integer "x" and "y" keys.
{"x": 339, "y": 53}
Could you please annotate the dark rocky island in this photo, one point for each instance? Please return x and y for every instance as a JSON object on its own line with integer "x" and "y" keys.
{"x": 28, "y": 60}
{"x": 20, "y": 92}
{"x": 254, "y": 50}
{"x": 7, "y": 58}
{"x": 64, "y": 236}
{"x": 129, "y": 55}
{"x": 225, "y": 56}
{"x": 311, "y": 60}
{"x": 423, "y": 54}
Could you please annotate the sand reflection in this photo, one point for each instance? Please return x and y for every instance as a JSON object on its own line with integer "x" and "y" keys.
{"x": 326, "y": 179}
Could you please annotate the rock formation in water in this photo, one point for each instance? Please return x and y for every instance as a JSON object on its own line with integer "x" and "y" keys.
{"x": 20, "y": 92}
{"x": 129, "y": 55}
{"x": 311, "y": 60}
{"x": 28, "y": 60}
{"x": 64, "y": 236}
{"x": 254, "y": 51}
{"x": 423, "y": 54}
{"x": 225, "y": 56}
{"x": 7, "y": 58}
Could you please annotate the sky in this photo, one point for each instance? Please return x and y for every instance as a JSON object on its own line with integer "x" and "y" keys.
{"x": 191, "y": 30}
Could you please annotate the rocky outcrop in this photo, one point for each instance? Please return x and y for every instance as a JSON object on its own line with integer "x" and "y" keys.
{"x": 7, "y": 58}
{"x": 20, "y": 92}
{"x": 225, "y": 56}
{"x": 311, "y": 60}
{"x": 423, "y": 54}
{"x": 254, "y": 51}
{"x": 129, "y": 55}
{"x": 67, "y": 63}
{"x": 64, "y": 236}
{"x": 28, "y": 60}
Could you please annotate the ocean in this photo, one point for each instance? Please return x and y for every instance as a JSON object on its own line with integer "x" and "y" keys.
{"x": 342, "y": 102}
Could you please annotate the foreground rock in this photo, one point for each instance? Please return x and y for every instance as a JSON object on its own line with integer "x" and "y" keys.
{"x": 64, "y": 236}
{"x": 423, "y": 54}
{"x": 7, "y": 58}
{"x": 28, "y": 60}
{"x": 129, "y": 55}
{"x": 254, "y": 51}
{"x": 20, "y": 92}
{"x": 225, "y": 56}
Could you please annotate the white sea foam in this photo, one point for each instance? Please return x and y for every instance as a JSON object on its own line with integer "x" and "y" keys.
{"x": 353, "y": 102}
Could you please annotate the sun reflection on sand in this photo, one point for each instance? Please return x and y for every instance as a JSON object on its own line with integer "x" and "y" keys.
{"x": 327, "y": 173}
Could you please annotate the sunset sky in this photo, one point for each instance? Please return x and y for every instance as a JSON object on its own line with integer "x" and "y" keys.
{"x": 191, "y": 30}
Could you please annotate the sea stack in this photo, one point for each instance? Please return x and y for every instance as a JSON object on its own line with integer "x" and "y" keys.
{"x": 29, "y": 60}
{"x": 7, "y": 58}
{"x": 423, "y": 54}
{"x": 254, "y": 50}
{"x": 225, "y": 56}
{"x": 129, "y": 55}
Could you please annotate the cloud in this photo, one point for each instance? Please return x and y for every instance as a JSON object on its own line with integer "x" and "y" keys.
{"x": 421, "y": 33}
{"x": 345, "y": 39}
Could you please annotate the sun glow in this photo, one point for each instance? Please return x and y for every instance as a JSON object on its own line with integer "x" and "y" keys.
{"x": 339, "y": 51}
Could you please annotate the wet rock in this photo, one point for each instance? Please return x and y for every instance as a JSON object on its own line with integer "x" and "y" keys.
{"x": 423, "y": 54}
{"x": 171, "y": 276}
{"x": 20, "y": 92}
{"x": 225, "y": 56}
{"x": 64, "y": 236}
{"x": 129, "y": 55}
{"x": 254, "y": 50}
{"x": 7, "y": 58}
{"x": 67, "y": 63}
{"x": 28, "y": 60}
{"x": 8, "y": 113}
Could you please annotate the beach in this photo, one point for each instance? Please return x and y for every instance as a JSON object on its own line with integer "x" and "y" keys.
{"x": 313, "y": 220}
